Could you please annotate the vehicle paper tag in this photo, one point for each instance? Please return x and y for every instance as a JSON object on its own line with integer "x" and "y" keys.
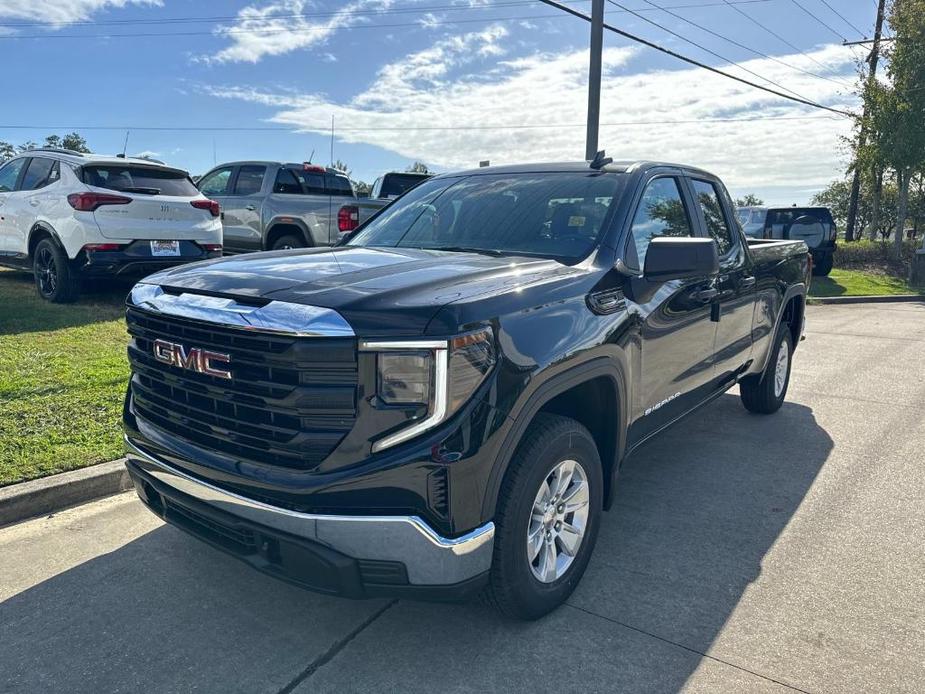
{"x": 165, "y": 248}
{"x": 576, "y": 221}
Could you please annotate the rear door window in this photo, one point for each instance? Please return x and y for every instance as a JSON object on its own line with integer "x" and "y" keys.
{"x": 9, "y": 174}
{"x": 312, "y": 181}
{"x": 338, "y": 185}
{"x": 708, "y": 199}
{"x": 129, "y": 178}
{"x": 40, "y": 173}
{"x": 216, "y": 183}
{"x": 661, "y": 212}
{"x": 286, "y": 183}
{"x": 250, "y": 180}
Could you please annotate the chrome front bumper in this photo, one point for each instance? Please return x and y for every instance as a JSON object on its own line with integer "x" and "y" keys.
{"x": 430, "y": 559}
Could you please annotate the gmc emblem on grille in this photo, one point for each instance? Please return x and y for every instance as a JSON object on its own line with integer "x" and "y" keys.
{"x": 195, "y": 358}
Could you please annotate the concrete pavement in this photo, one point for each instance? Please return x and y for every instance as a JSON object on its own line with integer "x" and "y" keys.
{"x": 743, "y": 554}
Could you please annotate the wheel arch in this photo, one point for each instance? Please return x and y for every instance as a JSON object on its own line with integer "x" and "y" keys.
{"x": 39, "y": 231}
{"x": 595, "y": 395}
{"x": 287, "y": 225}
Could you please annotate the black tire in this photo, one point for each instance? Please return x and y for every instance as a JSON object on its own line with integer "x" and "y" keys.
{"x": 54, "y": 278}
{"x": 760, "y": 393}
{"x": 513, "y": 588}
{"x": 287, "y": 241}
{"x": 822, "y": 265}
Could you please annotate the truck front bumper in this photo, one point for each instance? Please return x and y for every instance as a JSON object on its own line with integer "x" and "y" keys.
{"x": 352, "y": 556}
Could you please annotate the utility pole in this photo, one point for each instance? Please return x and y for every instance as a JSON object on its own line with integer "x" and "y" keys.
{"x": 872, "y": 59}
{"x": 594, "y": 77}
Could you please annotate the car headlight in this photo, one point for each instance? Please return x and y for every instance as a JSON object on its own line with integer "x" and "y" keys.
{"x": 440, "y": 375}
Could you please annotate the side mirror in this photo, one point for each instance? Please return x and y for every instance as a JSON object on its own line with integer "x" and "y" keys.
{"x": 673, "y": 258}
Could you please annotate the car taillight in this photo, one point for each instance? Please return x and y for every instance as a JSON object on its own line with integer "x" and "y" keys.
{"x": 87, "y": 202}
{"x": 348, "y": 218}
{"x": 102, "y": 247}
{"x": 209, "y": 205}
{"x": 211, "y": 246}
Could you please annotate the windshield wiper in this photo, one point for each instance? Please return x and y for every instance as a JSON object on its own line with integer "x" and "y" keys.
{"x": 140, "y": 189}
{"x": 463, "y": 249}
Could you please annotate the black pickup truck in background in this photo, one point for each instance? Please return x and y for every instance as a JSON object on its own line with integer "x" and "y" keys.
{"x": 440, "y": 405}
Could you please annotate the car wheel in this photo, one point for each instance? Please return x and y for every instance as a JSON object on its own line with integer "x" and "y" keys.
{"x": 54, "y": 278}
{"x": 822, "y": 265}
{"x": 765, "y": 394}
{"x": 547, "y": 518}
{"x": 287, "y": 241}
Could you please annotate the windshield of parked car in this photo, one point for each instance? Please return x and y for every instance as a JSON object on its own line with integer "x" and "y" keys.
{"x": 558, "y": 215}
{"x": 139, "y": 179}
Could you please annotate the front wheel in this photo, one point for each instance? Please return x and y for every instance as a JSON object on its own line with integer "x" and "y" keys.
{"x": 54, "y": 278}
{"x": 765, "y": 393}
{"x": 547, "y": 519}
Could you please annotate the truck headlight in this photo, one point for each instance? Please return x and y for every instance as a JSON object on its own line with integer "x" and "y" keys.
{"x": 439, "y": 374}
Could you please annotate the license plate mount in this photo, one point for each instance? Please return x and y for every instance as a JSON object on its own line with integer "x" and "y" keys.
{"x": 165, "y": 249}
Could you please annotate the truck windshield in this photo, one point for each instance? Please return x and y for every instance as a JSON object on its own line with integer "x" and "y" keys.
{"x": 558, "y": 215}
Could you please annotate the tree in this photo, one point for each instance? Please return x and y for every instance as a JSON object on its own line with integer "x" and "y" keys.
{"x": 7, "y": 151}
{"x": 75, "y": 142}
{"x": 418, "y": 167}
{"x": 26, "y": 146}
{"x": 362, "y": 188}
{"x": 341, "y": 166}
{"x": 749, "y": 200}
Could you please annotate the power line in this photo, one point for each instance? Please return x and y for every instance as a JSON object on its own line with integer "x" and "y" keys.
{"x": 802, "y": 7}
{"x": 773, "y": 33}
{"x": 401, "y": 128}
{"x": 691, "y": 61}
{"x": 844, "y": 19}
{"x": 747, "y": 48}
{"x": 329, "y": 14}
{"x": 711, "y": 52}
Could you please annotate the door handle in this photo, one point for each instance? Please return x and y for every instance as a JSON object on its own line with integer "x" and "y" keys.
{"x": 705, "y": 295}
{"x": 250, "y": 208}
{"x": 746, "y": 283}
{"x": 34, "y": 203}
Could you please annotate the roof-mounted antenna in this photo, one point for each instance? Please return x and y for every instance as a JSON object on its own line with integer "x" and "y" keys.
{"x": 124, "y": 145}
{"x": 600, "y": 160}
{"x": 311, "y": 156}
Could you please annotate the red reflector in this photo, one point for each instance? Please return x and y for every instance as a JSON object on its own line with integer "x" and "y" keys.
{"x": 312, "y": 167}
{"x": 348, "y": 218}
{"x": 102, "y": 247}
{"x": 87, "y": 202}
{"x": 211, "y": 246}
{"x": 209, "y": 205}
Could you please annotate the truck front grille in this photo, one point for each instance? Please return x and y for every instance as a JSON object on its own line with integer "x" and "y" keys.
{"x": 289, "y": 402}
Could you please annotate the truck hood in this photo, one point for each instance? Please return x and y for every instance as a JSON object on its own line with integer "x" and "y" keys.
{"x": 379, "y": 291}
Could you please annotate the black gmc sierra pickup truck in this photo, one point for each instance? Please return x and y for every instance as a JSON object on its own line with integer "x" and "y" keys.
{"x": 439, "y": 406}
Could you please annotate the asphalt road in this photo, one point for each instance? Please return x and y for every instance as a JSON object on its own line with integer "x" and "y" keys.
{"x": 743, "y": 554}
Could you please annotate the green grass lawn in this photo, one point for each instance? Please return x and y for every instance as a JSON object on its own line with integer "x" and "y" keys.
{"x": 63, "y": 373}
{"x": 858, "y": 283}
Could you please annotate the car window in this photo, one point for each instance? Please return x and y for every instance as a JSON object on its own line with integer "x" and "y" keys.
{"x": 661, "y": 212}
{"x": 394, "y": 185}
{"x": 40, "y": 172}
{"x": 338, "y": 185}
{"x": 708, "y": 198}
{"x": 250, "y": 180}
{"x": 286, "y": 183}
{"x": 216, "y": 183}
{"x": 377, "y": 186}
{"x": 9, "y": 174}
{"x": 128, "y": 178}
{"x": 312, "y": 181}
{"x": 557, "y": 215}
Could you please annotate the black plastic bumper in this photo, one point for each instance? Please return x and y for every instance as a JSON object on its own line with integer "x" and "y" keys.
{"x": 295, "y": 560}
{"x": 135, "y": 260}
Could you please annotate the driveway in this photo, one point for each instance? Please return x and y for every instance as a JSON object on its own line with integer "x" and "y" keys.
{"x": 744, "y": 553}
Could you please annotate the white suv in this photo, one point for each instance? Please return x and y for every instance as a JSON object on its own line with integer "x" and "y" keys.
{"x": 67, "y": 216}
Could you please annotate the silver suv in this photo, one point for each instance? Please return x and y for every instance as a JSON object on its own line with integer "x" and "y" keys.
{"x": 272, "y": 205}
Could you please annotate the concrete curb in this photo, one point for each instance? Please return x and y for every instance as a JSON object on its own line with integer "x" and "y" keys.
{"x": 884, "y": 299}
{"x": 25, "y": 500}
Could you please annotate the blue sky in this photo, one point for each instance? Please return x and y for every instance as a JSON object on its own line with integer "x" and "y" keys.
{"x": 449, "y": 82}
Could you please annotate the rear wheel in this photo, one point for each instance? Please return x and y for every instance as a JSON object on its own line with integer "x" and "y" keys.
{"x": 765, "y": 393}
{"x": 54, "y": 278}
{"x": 287, "y": 241}
{"x": 547, "y": 520}
{"x": 822, "y": 265}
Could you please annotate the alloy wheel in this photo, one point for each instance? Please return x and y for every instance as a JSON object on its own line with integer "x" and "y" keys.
{"x": 558, "y": 521}
{"x": 46, "y": 271}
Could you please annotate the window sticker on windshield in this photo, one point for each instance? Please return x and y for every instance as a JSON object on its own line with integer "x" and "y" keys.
{"x": 576, "y": 221}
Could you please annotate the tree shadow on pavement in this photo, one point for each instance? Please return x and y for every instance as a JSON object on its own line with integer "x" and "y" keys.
{"x": 696, "y": 511}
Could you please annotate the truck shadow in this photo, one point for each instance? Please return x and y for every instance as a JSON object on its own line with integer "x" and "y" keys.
{"x": 696, "y": 512}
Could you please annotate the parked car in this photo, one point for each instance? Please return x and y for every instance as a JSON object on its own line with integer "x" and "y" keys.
{"x": 68, "y": 216}
{"x": 273, "y": 206}
{"x": 395, "y": 183}
{"x": 812, "y": 225}
{"x": 441, "y": 404}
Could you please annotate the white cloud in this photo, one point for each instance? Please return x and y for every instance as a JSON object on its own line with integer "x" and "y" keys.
{"x": 277, "y": 28}
{"x": 461, "y": 81}
{"x": 57, "y": 12}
